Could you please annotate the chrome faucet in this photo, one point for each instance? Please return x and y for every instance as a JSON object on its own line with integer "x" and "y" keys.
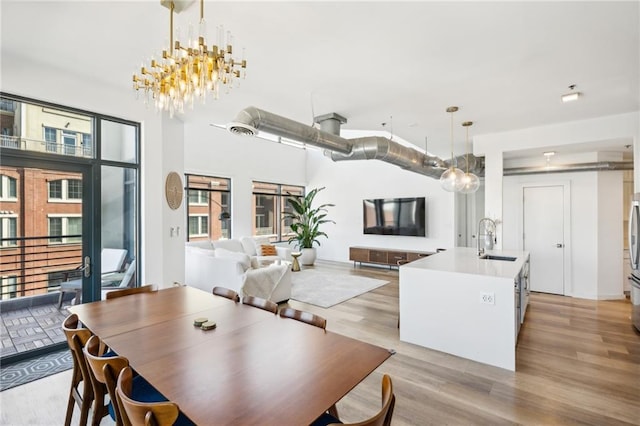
{"x": 486, "y": 235}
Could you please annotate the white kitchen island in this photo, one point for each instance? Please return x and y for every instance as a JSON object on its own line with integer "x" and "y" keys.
{"x": 456, "y": 302}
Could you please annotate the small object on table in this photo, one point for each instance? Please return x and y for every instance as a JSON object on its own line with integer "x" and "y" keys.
{"x": 199, "y": 321}
{"x": 295, "y": 266}
{"x": 208, "y": 325}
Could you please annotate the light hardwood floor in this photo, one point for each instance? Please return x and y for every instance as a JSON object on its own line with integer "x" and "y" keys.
{"x": 578, "y": 362}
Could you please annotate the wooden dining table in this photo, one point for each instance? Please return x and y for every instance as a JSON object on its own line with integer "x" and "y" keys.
{"x": 254, "y": 368}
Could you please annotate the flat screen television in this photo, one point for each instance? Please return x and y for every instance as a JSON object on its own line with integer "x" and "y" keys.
{"x": 395, "y": 216}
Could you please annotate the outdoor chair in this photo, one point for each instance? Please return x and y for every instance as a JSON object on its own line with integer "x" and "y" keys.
{"x": 112, "y": 261}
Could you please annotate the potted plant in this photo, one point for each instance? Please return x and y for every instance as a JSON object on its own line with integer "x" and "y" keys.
{"x": 305, "y": 224}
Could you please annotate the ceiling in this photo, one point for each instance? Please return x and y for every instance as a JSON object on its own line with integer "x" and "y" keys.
{"x": 505, "y": 64}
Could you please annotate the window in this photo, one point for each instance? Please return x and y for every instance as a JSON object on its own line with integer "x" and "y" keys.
{"x": 68, "y": 190}
{"x": 8, "y": 230}
{"x": 209, "y": 207}
{"x": 269, "y": 204}
{"x": 198, "y": 197}
{"x": 51, "y": 139}
{"x": 9, "y": 284}
{"x": 65, "y": 229}
{"x": 87, "y": 147}
{"x": 69, "y": 140}
{"x": 8, "y": 188}
{"x": 199, "y": 226}
{"x": 74, "y": 189}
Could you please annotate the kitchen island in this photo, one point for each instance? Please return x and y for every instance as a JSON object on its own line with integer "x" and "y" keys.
{"x": 464, "y": 304}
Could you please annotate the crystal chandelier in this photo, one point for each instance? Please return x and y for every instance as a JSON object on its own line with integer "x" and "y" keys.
{"x": 189, "y": 71}
{"x": 470, "y": 182}
{"x": 451, "y": 179}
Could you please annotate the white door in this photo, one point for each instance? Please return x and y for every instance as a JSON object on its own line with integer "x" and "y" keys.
{"x": 543, "y": 238}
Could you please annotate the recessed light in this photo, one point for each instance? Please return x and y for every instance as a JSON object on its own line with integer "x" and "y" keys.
{"x": 569, "y": 97}
{"x": 549, "y": 153}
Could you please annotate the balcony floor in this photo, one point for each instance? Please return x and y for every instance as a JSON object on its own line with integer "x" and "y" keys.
{"x": 30, "y": 328}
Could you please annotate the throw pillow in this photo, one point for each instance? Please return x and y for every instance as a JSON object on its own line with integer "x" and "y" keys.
{"x": 241, "y": 258}
{"x": 231, "y": 245}
{"x": 268, "y": 250}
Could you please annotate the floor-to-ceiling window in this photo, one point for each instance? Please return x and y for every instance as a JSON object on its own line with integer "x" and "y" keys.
{"x": 68, "y": 190}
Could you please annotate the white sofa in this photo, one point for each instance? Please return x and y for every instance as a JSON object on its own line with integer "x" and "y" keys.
{"x": 235, "y": 262}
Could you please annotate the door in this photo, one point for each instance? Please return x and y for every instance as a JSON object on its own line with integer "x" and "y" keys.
{"x": 543, "y": 237}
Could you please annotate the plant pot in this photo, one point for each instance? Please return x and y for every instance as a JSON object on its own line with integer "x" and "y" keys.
{"x": 308, "y": 256}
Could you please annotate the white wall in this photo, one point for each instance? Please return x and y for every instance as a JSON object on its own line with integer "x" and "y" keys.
{"x": 26, "y": 78}
{"x": 215, "y": 152}
{"x": 174, "y": 222}
{"x": 349, "y": 182}
{"x": 610, "y": 235}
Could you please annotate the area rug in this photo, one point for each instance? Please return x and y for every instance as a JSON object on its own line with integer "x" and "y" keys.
{"x": 325, "y": 289}
{"x": 27, "y": 371}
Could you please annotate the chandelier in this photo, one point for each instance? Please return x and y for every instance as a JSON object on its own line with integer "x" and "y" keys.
{"x": 452, "y": 178}
{"x": 470, "y": 182}
{"x": 189, "y": 71}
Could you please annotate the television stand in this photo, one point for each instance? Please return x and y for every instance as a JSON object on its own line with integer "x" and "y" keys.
{"x": 388, "y": 257}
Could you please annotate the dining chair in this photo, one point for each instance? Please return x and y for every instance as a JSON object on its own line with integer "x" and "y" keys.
{"x": 128, "y": 291}
{"x": 303, "y": 316}
{"x": 141, "y": 413}
{"x": 382, "y": 418}
{"x": 226, "y": 292}
{"x": 105, "y": 371}
{"x": 81, "y": 391}
{"x": 261, "y": 303}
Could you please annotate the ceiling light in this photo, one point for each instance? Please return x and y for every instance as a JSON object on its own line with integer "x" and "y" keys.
{"x": 571, "y": 97}
{"x": 188, "y": 71}
{"x": 451, "y": 179}
{"x": 470, "y": 182}
{"x": 549, "y": 153}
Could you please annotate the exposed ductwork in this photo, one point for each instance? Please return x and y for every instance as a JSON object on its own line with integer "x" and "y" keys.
{"x": 251, "y": 120}
{"x": 579, "y": 167}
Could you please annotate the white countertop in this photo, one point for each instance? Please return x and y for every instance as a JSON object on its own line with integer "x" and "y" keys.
{"x": 465, "y": 260}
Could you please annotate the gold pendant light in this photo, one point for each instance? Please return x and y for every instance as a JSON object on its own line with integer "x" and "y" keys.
{"x": 451, "y": 179}
{"x": 470, "y": 182}
{"x": 190, "y": 71}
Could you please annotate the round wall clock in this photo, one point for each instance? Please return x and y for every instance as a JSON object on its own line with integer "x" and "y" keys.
{"x": 173, "y": 190}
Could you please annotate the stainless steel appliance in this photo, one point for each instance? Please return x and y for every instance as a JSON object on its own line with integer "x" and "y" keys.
{"x": 634, "y": 256}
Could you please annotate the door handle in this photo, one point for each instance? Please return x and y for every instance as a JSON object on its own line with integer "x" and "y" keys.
{"x": 559, "y": 245}
{"x": 87, "y": 267}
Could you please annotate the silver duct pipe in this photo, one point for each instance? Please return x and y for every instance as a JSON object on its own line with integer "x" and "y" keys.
{"x": 379, "y": 148}
{"x": 251, "y": 119}
{"x": 579, "y": 167}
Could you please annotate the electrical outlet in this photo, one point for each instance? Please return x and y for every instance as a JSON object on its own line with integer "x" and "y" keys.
{"x": 488, "y": 298}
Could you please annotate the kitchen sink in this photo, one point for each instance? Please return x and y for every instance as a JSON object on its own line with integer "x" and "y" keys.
{"x": 494, "y": 257}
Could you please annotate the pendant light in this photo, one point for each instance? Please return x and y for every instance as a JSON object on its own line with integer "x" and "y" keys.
{"x": 470, "y": 182}
{"x": 451, "y": 179}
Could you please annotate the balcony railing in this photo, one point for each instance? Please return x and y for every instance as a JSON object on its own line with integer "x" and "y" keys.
{"x": 25, "y": 144}
{"x": 31, "y": 266}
